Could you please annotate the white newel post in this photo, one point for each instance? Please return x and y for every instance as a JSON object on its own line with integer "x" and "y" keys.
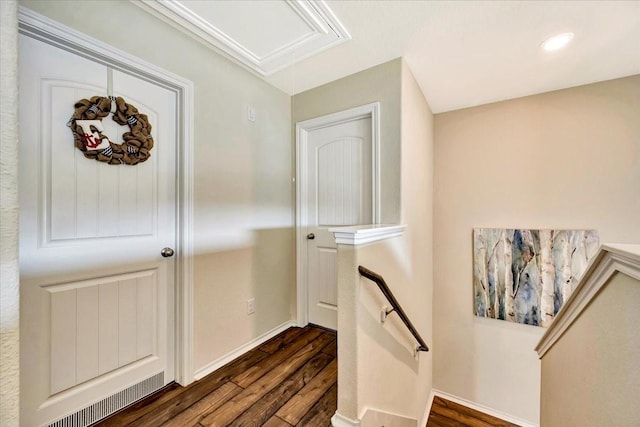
{"x": 348, "y": 240}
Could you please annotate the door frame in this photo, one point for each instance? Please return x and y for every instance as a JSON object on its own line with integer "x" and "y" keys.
{"x": 42, "y": 28}
{"x": 303, "y": 129}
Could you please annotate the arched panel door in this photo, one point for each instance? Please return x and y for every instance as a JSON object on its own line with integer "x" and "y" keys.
{"x": 339, "y": 193}
{"x": 96, "y": 294}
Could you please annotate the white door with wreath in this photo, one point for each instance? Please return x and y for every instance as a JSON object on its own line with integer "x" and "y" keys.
{"x": 97, "y": 209}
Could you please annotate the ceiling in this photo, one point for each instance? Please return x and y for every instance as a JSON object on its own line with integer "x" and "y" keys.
{"x": 264, "y": 36}
{"x": 462, "y": 53}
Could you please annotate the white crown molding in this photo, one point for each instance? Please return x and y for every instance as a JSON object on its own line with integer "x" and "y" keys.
{"x": 325, "y": 31}
{"x": 609, "y": 260}
{"x": 363, "y": 234}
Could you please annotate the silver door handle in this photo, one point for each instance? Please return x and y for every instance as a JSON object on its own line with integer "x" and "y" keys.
{"x": 167, "y": 252}
{"x": 311, "y": 236}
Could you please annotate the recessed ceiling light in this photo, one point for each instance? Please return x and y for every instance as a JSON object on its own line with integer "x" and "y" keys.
{"x": 557, "y": 42}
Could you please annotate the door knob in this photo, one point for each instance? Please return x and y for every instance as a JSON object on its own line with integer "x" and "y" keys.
{"x": 166, "y": 252}
{"x": 311, "y": 236}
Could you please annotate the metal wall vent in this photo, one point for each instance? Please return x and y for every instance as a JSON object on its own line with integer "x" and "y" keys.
{"x": 111, "y": 404}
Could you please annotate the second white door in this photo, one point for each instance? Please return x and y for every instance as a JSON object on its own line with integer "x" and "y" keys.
{"x": 339, "y": 193}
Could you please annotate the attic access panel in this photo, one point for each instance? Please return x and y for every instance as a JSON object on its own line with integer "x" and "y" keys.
{"x": 265, "y": 36}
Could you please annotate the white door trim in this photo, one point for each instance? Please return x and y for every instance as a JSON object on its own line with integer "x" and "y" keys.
{"x": 44, "y": 29}
{"x": 302, "y": 132}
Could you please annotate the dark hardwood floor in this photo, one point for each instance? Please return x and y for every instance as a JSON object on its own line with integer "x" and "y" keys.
{"x": 445, "y": 413}
{"x": 291, "y": 380}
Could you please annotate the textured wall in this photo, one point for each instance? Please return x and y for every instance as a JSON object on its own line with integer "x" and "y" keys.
{"x": 9, "y": 283}
{"x": 389, "y": 378}
{"x": 378, "y": 84}
{"x": 567, "y": 159}
{"x": 417, "y": 213}
{"x": 386, "y": 359}
{"x": 606, "y": 334}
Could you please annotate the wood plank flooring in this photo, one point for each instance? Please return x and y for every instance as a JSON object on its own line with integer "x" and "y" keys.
{"x": 291, "y": 380}
{"x": 445, "y": 413}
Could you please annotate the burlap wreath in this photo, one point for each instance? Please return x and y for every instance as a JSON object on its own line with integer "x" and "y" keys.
{"x": 137, "y": 142}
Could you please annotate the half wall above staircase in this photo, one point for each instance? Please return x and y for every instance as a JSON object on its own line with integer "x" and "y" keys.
{"x": 591, "y": 354}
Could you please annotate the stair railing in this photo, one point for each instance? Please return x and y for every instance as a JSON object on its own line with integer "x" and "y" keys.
{"x": 395, "y": 305}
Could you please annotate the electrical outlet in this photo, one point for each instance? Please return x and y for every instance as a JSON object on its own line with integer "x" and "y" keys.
{"x": 251, "y": 306}
{"x": 251, "y": 113}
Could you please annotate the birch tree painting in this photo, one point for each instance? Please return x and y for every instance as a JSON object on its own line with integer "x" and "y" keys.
{"x": 525, "y": 276}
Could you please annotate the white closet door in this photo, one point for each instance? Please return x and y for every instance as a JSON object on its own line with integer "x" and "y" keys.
{"x": 339, "y": 193}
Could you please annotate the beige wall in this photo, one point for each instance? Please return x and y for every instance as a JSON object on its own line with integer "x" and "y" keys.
{"x": 243, "y": 189}
{"x": 9, "y": 281}
{"x": 565, "y": 159}
{"x": 381, "y": 84}
{"x": 390, "y": 378}
{"x": 576, "y": 390}
{"x": 377, "y": 84}
{"x": 417, "y": 214}
{"x": 377, "y": 368}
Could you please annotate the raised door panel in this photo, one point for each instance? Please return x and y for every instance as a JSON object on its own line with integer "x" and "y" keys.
{"x": 146, "y": 316}
{"x": 89, "y": 199}
{"x": 88, "y": 333}
{"x": 340, "y": 187}
{"x": 127, "y": 327}
{"x": 339, "y": 168}
{"x": 51, "y": 81}
{"x": 100, "y": 325}
{"x": 74, "y": 208}
{"x": 107, "y": 328}
{"x": 327, "y": 262}
{"x": 63, "y": 341}
{"x": 151, "y": 209}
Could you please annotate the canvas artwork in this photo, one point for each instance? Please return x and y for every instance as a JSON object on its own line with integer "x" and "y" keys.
{"x": 525, "y": 276}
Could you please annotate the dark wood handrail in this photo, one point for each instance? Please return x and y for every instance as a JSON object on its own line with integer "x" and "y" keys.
{"x": 384, "y": 288}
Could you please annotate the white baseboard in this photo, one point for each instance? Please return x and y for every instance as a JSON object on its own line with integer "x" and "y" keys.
{"x": 219, "y": 363}
{"x": 477, "y": 407}
{"x": 341, "y": 421}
